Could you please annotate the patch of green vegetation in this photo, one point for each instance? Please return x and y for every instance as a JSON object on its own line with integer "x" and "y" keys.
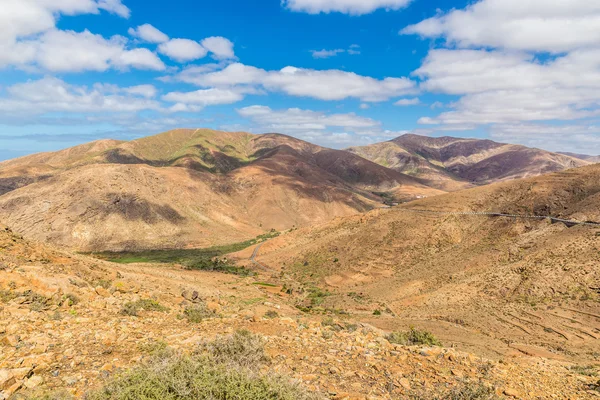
{"x": 196, "y": 313}
{"x": 271, "y": 314}
{"x": 221, "y": 369}
{"x": 70, "y": 299}
{"x": 586, "y": 370}
{"x": 242, "y": 348}
{"x": 464, "y": 391}
{"x": 133, "y": 308}
{"x": 414, "y": 337}
{"x": 217, "y": 265}
{"x": 377, "y": 312}
{"x": 264, "y": 284}
{"x": 200, "y": 259}
{"x": 251, "y": 302}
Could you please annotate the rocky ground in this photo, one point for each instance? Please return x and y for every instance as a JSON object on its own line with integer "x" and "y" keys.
{"x": 69, "y": 322}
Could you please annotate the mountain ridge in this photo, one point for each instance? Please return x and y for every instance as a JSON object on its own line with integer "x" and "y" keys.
{"x": 450, "y": 163}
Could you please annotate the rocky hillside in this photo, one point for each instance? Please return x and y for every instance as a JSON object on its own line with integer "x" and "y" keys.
{"x": 52, "y": 303}
{"x": 188, "y": 188}
{"x": 492, "y": 285}
{"x": 452, "y": 163}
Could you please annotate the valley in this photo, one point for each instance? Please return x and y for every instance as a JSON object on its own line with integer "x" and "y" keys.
{"x": 365, "y": 279}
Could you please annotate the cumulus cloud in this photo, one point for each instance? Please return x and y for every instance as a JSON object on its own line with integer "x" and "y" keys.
{"x": 532, "y": 25}
{"x": 320, "y": 84}
{"x": 148, "y": 91}
{"x": 333, "y": 130}
{"x": 577, "y": 138}
{"x": 326, "y": 53}
{"x": 515, "y": 64}
{"x": 205, "y": 97}
{"x": 51, "y": 94}
{"x": 295, "y": 119}
{"x": 182, "y": 50}
{"x": 29, "y": 38}
{"x": 148, "y": 33}
{"x": 352, "y": 7}
{"x": 408, "y": 102}
{"x": 220, "y": 47}
{"x": 352, "y": 50}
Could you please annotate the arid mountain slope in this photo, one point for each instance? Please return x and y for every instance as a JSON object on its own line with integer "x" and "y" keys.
{"x": 585, "y": 157}
{"x": 52, "y": 303}
{"x": 482, "y": 283}
{"x": 187, "y": 188}
{"x": 453, "y": 163}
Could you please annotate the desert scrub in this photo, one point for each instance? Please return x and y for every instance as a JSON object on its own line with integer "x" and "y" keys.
{"x": 133, "y": 308}
{"x": 464, "y": 391}
{"x": 174, "y": 375}
{"x": 196, "y": 313}
{"x": 271, "y": 314}
{"x": 43, "y": 395}
{"x": 414, "y": 337}
{"x": 242, "y": 348}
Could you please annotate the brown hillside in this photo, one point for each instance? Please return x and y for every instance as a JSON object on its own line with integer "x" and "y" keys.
{"x": 494, "y": 285}
{"x": 187, "y": 188}
{"x": 453, "y": 163}
{"x": 52, "y": 304}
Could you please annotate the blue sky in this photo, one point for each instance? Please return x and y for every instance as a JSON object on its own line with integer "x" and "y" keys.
{"x": 334, "y": 72}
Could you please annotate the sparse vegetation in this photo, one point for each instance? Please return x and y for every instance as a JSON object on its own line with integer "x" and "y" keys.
{"x": 218, "y": 370}
{"x": 133, "y": 308}
{"x": 181, "y": 256}
{"x": 196, "y": 313}
{"x": 464, "y": 391}
{"x": 242, "y": 348}
{"x": 271, "y": 314}
{"x": 414, "y": 337}
{"x": 217, "y": 265}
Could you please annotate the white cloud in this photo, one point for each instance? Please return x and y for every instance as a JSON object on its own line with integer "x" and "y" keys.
{"x": 220, "y": 47}
{"x": 320, "y": 84}
{"x": 352, "y": 50}
{"x": 526, "y": 66}
{"x": 533, "y": 25}
{"x": 352, "y": 7}
{"x": 364, "y": 106}
{"x": 148, "y": 91}
{"x": 205, "y": 97}
{"x": 68, "y": 51}
{"x": 54, "y": 95}
{"x": 326, "y": 53}
{"x": 30, "y": 40}
{"x": 500, "y": 87}
{"x": 408, "y": 102}
{"x": 295, "y": 119}
{"x": 580, "y": 138}
{"x": 182, "y": 50}
{"x": 148, "y": 33}
{"x": 27, "y": 17}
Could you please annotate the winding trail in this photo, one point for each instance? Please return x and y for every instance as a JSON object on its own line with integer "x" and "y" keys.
{"x": 567, "y": 222}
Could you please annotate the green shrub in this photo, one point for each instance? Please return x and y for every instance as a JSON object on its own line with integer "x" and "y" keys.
{"x": 71, "y": 299}
{"x": 242, "y": 348}
{"x": 414, "y": 337}
{"x": 133, "y": 308}
{"x": 217, "y": 265}
{"x": 271, "y": 314}
{"x": 464, "y": 391}
{"x": 176, "y": 376}
{"x": 197, "y": 313}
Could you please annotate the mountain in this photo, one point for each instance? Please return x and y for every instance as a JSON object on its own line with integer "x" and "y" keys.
{"x": 494, "y": 285}
{"x": 450, "y": 164}
{"x": 187, "y": 187}
{"x": 585, "y": 157}
{"x": 72, "y": 324}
